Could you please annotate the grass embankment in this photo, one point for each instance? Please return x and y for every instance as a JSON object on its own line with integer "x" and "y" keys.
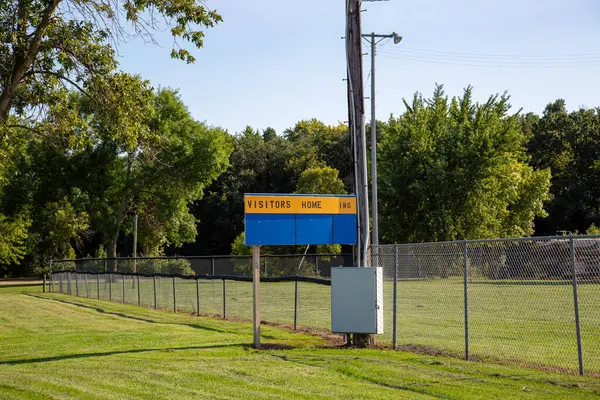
{"x": 529, "y": 323}
{"x": 57, "y": 346}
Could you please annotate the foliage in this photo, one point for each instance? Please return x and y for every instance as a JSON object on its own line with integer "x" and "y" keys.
{"x": 13, "y": 234}
{"x": 593, "y": 230}
{"x": 170, "y": 266}
{"x": 455, "y": 169}
{"x": 83, "y": 186}
{"x": 322, "y": 180}
{"x": 569, "y": 145}
{"x": 52, "y": 46}
{"x": 263, "y": 162}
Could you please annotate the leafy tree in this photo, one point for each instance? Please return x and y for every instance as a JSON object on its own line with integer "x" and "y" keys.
{"x": 569, "y": 145}
{"x": 259, "y": 164}
{"x": 319, "y": 145}
{"x": 167, "y": 169}
{"x": 455, "y": 169}
{"x": 593, "y": 230}
{"x": 13, "y": 236}
{"x": 51, "y": 46}
{"x": 79, "y": 188}
{"x": 320, "y": 180}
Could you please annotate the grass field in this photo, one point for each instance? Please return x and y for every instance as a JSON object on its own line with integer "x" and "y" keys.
{"x": 59, "y": 346}
{"x": 530, "y": 324}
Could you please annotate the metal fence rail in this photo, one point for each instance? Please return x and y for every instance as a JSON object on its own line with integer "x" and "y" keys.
{"x": 534, "y": 302}
{"x": 318, "y": 265}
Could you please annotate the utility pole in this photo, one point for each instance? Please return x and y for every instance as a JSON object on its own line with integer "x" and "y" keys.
{"x": 374, "y": 213}
{"x": 356, "y": 118}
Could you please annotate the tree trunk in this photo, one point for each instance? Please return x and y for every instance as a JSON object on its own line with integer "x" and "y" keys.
{"x": 120, "y": 214}
{"x": 22, "y": 63}
{"x": 119, "y": 222}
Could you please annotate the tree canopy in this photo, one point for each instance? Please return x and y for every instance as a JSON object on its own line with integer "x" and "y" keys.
{"x": 456, "y": 169}
{"x": 48, "y": 47}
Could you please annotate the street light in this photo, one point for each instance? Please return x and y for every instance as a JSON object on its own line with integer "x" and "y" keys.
{"x": 375, "y": 228}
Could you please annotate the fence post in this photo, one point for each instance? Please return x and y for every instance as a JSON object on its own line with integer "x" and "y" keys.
{"x": 265, "y": 264}
{"x": 224, "y": 300}
{"x": 60, "y": 282}
{"x": 212, "y": 265}
{"x": 69, "y": 292}
{"x": 154, "y": 284}
{"x": 395, "y": 297}
{"x": 138, "y": 290}
{"x": 51, "y": 285}
{"x": 87, "y": 289}
{"x": 317, "y": 265}
{"x": 576, "y": 304}
{"x": 296, "y": 303}
{"x": 123, "y": 298}
{"x": 174, "y": 297}
{"x": 466, "y": 298}
{"x": 98, "y": 285}
{"x": 109, "y": 286}
{"x": 197, "y": 298}
{"x": 44, "y": 283}
{"x": 76, "y": 284}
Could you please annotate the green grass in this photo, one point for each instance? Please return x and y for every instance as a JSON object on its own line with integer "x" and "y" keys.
{"x": 530, "y": 324}
{"x": 58, "y": 346}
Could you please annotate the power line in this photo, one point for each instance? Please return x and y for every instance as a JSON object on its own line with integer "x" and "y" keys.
{"x": 489, "y": 63}
{"x": 496, "y": 56}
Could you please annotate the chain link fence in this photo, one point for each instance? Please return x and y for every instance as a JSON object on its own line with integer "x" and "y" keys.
{"x": 315, "y": 265}
{"x": 531, "y": 301}
{"x": 294, "y": 288}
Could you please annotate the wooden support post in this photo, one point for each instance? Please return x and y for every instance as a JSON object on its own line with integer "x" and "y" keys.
{"x": 256, "y": 294}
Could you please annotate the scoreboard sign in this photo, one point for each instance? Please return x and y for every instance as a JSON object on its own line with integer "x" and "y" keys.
{"x": 291, "y": 219}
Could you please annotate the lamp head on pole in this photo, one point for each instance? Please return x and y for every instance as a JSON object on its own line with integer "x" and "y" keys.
{"x": 397, "y": 38}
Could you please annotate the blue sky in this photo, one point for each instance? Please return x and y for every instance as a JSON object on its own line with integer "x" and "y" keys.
{"x": 275, "y": 62}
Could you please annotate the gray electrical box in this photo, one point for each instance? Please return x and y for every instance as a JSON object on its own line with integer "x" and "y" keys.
{"x": 356, "y": 300}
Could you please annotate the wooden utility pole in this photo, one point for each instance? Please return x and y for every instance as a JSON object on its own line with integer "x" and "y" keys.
{"x": 356, "y": 118}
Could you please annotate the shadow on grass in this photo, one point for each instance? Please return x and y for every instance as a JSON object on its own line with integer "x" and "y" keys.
{"x": 18, "y": 285}
{"x": 121, "y": 315}
{"x": 117, "y": 352}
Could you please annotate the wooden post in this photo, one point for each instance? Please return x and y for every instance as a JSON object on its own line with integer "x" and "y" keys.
{"x": 256, "y": 294}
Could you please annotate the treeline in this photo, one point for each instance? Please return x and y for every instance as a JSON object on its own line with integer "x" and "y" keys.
{"x": 448, "y": 169}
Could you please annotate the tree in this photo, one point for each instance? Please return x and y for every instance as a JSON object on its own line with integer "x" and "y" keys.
{"x": 264, "y": 162}
{"x": 320, "y": 180}
{"x": 458, "y": 170}
{"x": 50, "y": 46}
{"x": 159, "y": 177}
{"x": 319, "y": 145}
{"x": 569, "y": 145}
{"x": 80, "y": 187}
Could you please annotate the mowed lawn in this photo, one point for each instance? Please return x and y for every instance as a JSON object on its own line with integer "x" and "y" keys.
{"x": 59, "y": 346}
{"x": 528, "y": 323}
